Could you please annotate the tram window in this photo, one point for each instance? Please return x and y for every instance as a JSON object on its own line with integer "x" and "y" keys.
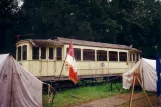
{"x": 137, "y": 57}
{"x": 35, "y": 53}
{"x": 130, "y": 57}
{"x": 101, "y": 55}
{"x": 51, "y": 53}
{"x": 123, "y": 56}
{"x": 59, "y": 53}
{"x": 113, "y": 56}
{"x": 43, "y": 52}
{"x": 19, "y": 53}
{"x": 77, "y": 53}
{"x": 24, "y": 52}
{"x": 88, "y": 54}
{"x": 134, "y": 57}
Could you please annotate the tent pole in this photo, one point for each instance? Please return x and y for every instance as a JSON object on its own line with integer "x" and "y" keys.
{"x": 143, "y": 77}
{"x": 132, "y": 92}
{"x": 145, "y": 92}
{"x": 119, "y": 92}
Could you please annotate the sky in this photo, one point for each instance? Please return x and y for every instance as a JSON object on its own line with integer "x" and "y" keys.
{"x": 20, "y": 3}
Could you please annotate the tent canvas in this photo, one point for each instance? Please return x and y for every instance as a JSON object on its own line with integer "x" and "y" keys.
{"x": 147, "y": 70}
{"x": 19, "y": 88}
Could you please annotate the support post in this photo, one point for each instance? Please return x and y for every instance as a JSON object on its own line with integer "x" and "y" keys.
{"x": 143, "y": 77}
{"x": 132, "y": 91}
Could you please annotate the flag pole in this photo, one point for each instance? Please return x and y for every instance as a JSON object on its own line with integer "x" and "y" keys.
{"x": 71, "y": 72}
{"x": 62, "y": 67}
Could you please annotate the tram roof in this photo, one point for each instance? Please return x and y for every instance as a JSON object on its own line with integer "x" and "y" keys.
{"x": 59, "y": 41}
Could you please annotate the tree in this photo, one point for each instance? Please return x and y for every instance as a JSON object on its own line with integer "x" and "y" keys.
{"x": 128, "y": 22}
{"x": 8, "y": 11}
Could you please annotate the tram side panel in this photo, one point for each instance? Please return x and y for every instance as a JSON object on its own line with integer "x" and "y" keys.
{"x": 35, "y": 67}
{"x": 41, "y": 68}
{"x": 89, "y": 68}
{"x": 118, "y": 67}
{"x": 102, "y": 67}
{"x": 58, "y": 68}
{"x": 84, "y": 68}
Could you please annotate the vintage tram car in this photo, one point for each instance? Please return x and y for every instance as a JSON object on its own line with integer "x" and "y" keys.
{"x": 44, "y": 58}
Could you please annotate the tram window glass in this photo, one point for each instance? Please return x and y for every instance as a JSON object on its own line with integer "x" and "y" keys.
{"x": 19, "y": 53}
{"x": 134, "y": 57}
{"x": 43, "y": 52}
{"x": 88, "y": 54}
{"x": 24, "y": 52}
{"x": 51, "y": 53}
{"x": 35, "y": 53}
{"x": 137, "y": 57}
{"x": 123, "y": 56}
{"x": 101, "y": 55}
{"x": 113, "y": 56}
{"x": 130, "y": 57}
{"x": 77, "y": 53}
{"x": 59, "y": 53}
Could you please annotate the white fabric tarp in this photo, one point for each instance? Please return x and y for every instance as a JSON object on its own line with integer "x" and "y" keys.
{"x": 147, "y": 70}
{"x": 128, "y": 76}
{"x": 18, "y": 87}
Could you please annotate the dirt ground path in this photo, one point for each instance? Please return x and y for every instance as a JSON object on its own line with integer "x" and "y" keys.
{"x": 122, "y": 100}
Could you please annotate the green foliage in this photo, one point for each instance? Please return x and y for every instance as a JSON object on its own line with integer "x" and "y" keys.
{"x": 94, "y": 82}
{"x": 129, "y": 22}
{"x": 8, "y": 11}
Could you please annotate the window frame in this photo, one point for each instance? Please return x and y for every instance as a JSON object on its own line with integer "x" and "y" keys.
{"x": 60, "y": 53}
{"x": 43, "y": 57}
{"x": 125, "y": 57}
{"x": 98, "y": 55}
{"x": 19, "y": 55}
{"x": 51, "y": 54}
{"x": 23, "y": 52}
{"x": 134, "y": 57}
{"x": 89, "y": 56}
{"x": 116, "y": 56}
{"x": 75, "y": 53}
{"x": 35, "y": 55}
{"x": 137, "y": 56}
{"x": 130, "y": 57}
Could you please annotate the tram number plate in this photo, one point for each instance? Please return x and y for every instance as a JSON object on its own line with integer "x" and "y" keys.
{"x": 102, "y": 64}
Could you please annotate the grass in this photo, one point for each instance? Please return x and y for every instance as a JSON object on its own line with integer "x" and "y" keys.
{"x": 83, "y": 94}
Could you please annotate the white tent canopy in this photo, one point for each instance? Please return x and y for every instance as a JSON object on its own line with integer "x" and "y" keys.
{"x": 18, "y": 87}
{"x": 147, "y": 70}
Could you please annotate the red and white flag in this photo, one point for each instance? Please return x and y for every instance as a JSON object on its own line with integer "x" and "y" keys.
{"x": 70, "y": 60}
